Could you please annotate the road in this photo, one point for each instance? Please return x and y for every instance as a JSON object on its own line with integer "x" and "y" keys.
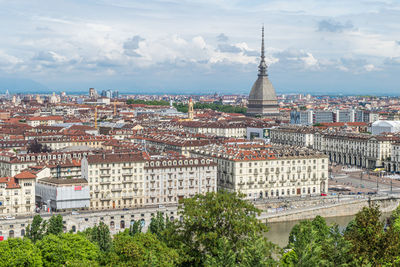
{"x": 363, "y": 183}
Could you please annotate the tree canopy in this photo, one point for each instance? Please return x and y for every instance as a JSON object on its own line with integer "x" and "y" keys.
{"x": 19, "y": 252}
{"x": 215, "y": 221}
{"x": 58, "y": 250}
{"x": 213, "y": 106}
{"x": 215, "y": 229}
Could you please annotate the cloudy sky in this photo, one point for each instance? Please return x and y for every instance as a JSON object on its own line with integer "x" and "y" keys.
{"x": 312, "y": 46}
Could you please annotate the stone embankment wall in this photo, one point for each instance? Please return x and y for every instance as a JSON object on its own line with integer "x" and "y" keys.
{"x": 346, "y": 208}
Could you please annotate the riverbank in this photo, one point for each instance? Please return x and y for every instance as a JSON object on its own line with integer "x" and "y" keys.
{"x": 328, "y": 208}
{"x": 279, "y": 231}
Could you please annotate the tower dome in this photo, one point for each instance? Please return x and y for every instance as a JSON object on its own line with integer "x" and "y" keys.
{"x": 262, "y": 97}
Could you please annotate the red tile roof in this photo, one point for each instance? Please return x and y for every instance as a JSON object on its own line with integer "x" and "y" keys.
{"x": 25, "y": 175}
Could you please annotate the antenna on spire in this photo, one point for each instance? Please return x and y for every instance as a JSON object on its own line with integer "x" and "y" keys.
{"x": 262, "y": 68}
{"x": 262, "y": 43}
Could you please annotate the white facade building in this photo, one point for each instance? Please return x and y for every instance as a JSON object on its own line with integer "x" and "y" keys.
{"x": 261, "y": 171}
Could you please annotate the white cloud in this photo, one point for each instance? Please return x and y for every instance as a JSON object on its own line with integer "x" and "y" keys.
{"x": 130, "y": 36}
{"x": 370, "y": 67}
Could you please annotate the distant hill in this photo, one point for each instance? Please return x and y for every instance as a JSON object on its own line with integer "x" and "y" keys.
{"x": 21, "y": 85}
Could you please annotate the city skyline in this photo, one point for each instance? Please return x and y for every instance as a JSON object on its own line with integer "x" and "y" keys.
{"x": 184, "y": 47}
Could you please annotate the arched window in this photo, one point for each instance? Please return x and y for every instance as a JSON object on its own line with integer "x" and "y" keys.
{"x": 112, "y": 224}
{"x": 11, "y": 234}
{"x": 22, "y": 232}
{"x": 73, "y": 228}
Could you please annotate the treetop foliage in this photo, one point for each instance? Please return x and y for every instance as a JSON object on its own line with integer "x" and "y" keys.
{"x": 215, "y": 229}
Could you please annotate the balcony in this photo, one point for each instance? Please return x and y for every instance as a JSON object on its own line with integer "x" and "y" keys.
{"x": 261, "y": 182}
{"x": 116, "y": 189}
{"x": 105, "y": 183}
{"x": 105, "y": 175}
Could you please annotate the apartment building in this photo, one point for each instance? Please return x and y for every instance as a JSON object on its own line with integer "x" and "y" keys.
{"x": 393, "y": 163}
{"x": 17, "y": 194}
{"x": 223, "y": 129}
{"x": 132, "y": 180}
{"x": 12, "y": 163}
{"x": 171, "y": 179}
{"x": 116, "y": 181}
{"x": 57, "y": 143}
{"x": 45, "y": 120}
{"x": 363, "y": 150}
{"x": 262, "y": 171}
{"x": 293, "y": 136}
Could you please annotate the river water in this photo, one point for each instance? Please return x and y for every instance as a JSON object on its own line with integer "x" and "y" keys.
{"x": 279, "y": 231}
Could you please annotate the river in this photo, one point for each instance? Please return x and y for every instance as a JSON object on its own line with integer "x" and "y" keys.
{"x": 279, "y": 231}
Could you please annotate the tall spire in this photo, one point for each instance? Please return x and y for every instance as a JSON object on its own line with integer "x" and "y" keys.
{"x": 262, "y": 68}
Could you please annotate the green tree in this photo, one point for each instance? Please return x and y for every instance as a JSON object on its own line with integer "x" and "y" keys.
{"x": 37, "y": 229}
{"x": 335, "y": 250}
{"x": 213, "y": 106}
{"x": 135, "y": 228}
{"x": 314, "y": 243}
{"x": 55, "y": 225}
{"x": 63, "y": 249}
{"x": 158, "y": 224}
{"x": 207, "y": 221}
{"x": 19, "y": 252}
{"x": 225, "y": 256}
{"x": 366, "y": 235}
{"x": 147, "y": 102}
{"x": 142, "y": 249}
{"x": 100, "y": 235}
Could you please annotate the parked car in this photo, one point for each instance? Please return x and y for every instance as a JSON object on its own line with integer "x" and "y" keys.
{"x": 323, "y": 194}
{"x": 75, "y": 213}
{"x": 10, "y": 218}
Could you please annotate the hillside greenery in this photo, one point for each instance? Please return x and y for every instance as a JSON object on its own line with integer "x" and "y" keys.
{"x": 213, "y": 106}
